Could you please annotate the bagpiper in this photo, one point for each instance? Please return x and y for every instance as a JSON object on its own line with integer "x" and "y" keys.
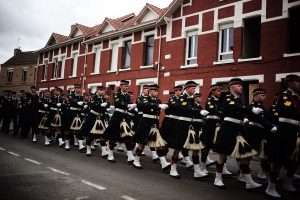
{"x": 119, "y": 129}
{"x": 148, "y": 129}
{"x": 230, "y": 140}
{"x": 286, "y": 142}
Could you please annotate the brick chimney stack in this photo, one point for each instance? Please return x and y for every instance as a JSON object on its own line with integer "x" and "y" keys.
{"x": 17, "y": 51}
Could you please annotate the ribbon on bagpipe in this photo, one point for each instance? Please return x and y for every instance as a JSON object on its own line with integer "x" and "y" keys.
{"x": 193, "y": 140}
{"x": 296, "y": 153}
{"x": 99, "y": 127}
{"x": 42, "y": 124}
{"x": 76, "y": 124}
{"x": 217, "y": 129}
{"x": 56, "y": 122}
{"x": 263, "y": 150}
{"x": 242, "y": 149}
{"x": 154, "y": 138}
{"x": 125, "y": 129}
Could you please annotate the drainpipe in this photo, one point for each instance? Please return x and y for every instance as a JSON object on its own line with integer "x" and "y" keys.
{"x": 159, "y": 54}
{"x": 84, "y": 66}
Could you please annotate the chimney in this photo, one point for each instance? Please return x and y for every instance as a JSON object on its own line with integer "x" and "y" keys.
{"x": 17, "y": 51}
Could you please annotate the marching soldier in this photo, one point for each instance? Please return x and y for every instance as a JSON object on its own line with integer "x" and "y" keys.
{"x": 65, "y": 108}
{"x": 285, "y": 148}
{"x": 74, "y": 117}
{"x": 229, "y": 140}
{"x": 9, "y": 111}
{"x": 96, "y": 121}
{"x": 187, "y": 133}
{"x": 119, "y": 128}
{"x": 43, "y": 114}
{"x": 30, "y": 109}
{"x": 147, "y": 131}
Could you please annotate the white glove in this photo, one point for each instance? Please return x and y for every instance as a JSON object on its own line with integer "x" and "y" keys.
{"x": 85, "y": 106}
{"x": 45, "y": 105}
{"x": 131, "y": 106}
{"x": 204, "y": 112}
{"x": 136, "y": 110}
{"x": 58, "y": 104}
{"x": 245, "y": 121}
{"x": 103, "y": 104}
{"x": 163, "y": 106}
{"x": 257, "y": 110}
{"x": 80, "y": 103}
{"x": 274, "y": 129}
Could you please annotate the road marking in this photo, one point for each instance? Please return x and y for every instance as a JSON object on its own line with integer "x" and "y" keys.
{"x": 33, "y": 161}
{"x": 2, "y": 149}
{"x": 99, "y": 187}
{"x": 81, "y": 198}
{"x": 58, "y": 171}
{"x": 126, "y": 197}
{"x": 14, "y": 154}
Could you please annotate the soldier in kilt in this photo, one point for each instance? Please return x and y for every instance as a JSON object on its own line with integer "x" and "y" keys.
{"x": 285, "y": 147}
{"x": 43, "y": 114}
{"x": 96, "y": 122}
{"x": 119, "y": 129}
{"x": 187, "y": 131}
{"x": 75, "y": 118}
{"x": 54, "y": 120}
{"x": 230, "y": 140}
{"x": 65, "y": 108}
{"x": 147, "y": 132}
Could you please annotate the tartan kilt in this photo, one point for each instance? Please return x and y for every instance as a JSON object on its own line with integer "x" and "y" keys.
{"x": 226, "y": 139}
{"x": 113, "y": 131}
{"x": 167, "y": 130}
{"x": 88, "y": 125}
{"x": 283, "y": 143}
{"x": 208, "y": 134}
{"x": 181, "y": 134}
{"x": 143, "y": 130}
{"x": 254, "y": 135}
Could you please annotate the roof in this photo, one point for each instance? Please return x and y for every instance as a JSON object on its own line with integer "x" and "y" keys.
{"x": 27, "y": 57}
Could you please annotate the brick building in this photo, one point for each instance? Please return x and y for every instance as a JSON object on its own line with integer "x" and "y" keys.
{"x": 209, "y": 41}
{"x": 19, "y": 72}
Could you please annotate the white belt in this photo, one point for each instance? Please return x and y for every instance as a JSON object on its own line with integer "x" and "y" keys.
{"x": 120, "y": 110}
{"x": 130, "y": 114}
{"x": 188, "y": 119}
{"x": 83, "y": 114}
{"x": 289, "y": 121}
{"x": 256, "y": 124}
{"x": 237, "y": 121}
{"x": 140, "y": 113}
{"x": 151, "y": 116}
{"x": 213, "y": 117}
{"x": 42, "y": 111}
{"x": 172, "y": 116}
{"x": 72, "y": 108}
{"x": 54, "y": 109}
{"x": 94, "y": 112}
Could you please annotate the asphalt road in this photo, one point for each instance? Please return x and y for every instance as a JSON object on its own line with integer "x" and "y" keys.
{"x": 32, "y": 171}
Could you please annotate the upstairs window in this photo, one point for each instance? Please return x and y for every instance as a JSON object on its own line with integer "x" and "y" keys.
{"x": 63, "y": 64}
{"x": 149, "y": 49}
{"x": 24, "y": 75}
{"x": 226, "y": 42}
{"x": 127, "y": 54}
{"x": 251, "y": 37}
{"x": 114, "y": 57}
{"x": 294, "y": 30}
{"x": 9, "y": 75}
{"x": 97, "y": 61}
{"x": 55, "y": 69}
{"x": 45, "y": 69}
{"x": 74, "y": 65}
{"x": 191, "y": 48}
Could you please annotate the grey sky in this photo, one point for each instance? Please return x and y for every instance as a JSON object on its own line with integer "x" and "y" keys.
{"x": 33, "y": 21}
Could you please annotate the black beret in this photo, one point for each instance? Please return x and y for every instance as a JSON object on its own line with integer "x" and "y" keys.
{"x": 190, "y": 84}
{"x": 124, "y": 82}
{"x": 77, "y": 85}
{"x": 100, "y": 87}
{"x": 153, "y": 87}
{"x": 235, "y": 81}
{"x": 292, "y": 78}
{"x": 258, "y": 91}
{"x": 178, "y": 87}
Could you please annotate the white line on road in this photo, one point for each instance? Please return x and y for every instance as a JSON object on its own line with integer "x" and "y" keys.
{"x": 58, "y": 171}
{"x": 14, "y": 154}
{"x": 99, "y": 187}
{"x": 33, "y": 161}
{"x": 2, "y": 149}
{"x": 82, "y": 198}
{"x": 126, "y": 197}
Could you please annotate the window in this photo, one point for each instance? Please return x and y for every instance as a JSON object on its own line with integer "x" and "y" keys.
{"x": 45, "y": 69}
{"x": 251, "y": 38}
{"x": 294, "y": 30}
{"x": 24, "y": 74}
{"x": 226, "y": 42}
{"x": 191, "y": 48}
{"x": 114, "y": 57}
{"x": 9, "y": 75}
{"x": 97, "y": 61}
{"x": 127, "y": 54}
{"x": 63, "y": 64}
{"x": 55, "y": 69}
{"x": 74, "y": 65}
{"x": 149, "y": 50}
{"x": 35, "y": 74}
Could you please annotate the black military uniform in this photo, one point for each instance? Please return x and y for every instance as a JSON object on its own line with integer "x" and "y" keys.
{"x": 9, "y": 105}
{"x": 43, "y": 114}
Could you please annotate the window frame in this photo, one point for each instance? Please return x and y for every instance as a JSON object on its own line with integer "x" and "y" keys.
{"x": 75, "y": 54}
{"x": 63, "y": 66}
{"x": 45, "y": 69}
{"x": 125, "y": 52}
{"x": 9, "y": 71}
{"x": 146, "y": 51}
{"x": 24, "y": 78}
{"x": 114, "y": 49}
{"x": 225, "y": 27}
{"x": 195, "y": 45}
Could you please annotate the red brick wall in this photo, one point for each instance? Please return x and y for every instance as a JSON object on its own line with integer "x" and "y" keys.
{"x": 176, "y": 28}
{"x": 226, "y": 12}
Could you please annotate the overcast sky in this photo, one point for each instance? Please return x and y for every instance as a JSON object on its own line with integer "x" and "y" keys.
{"x": 33, "y": 21}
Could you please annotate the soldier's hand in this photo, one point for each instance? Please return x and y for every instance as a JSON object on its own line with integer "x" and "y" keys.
{"x": 80, "y": 103}
{"x": 103, "y": 104}
{"x": 245, "y": 121}
{"x": 274, "y": 129}
{"x": 85, "y": 106}
{"x": 204, "y": 112}
{"x": 45, "y": 105}
{"x": 131, "y": 106}
{"x": 136, "y": 110}
{"x": 257, "y": 110}
{"x": 58, "y": 104}
{"x": 163, "y": 106}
